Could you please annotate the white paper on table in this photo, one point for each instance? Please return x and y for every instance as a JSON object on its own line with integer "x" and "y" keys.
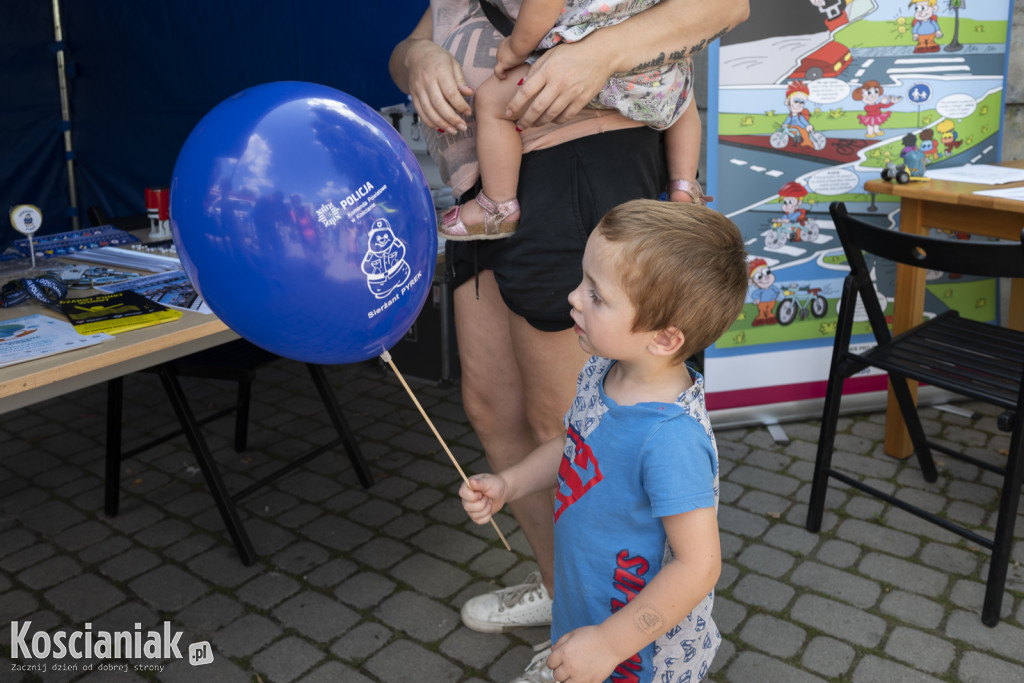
{"x": 985, "y": 174}
{"x": 37, "y": 336}
{"x": 1006, "y": 193}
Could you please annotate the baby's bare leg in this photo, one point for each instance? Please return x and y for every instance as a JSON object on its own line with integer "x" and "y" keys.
{"x": 499, "y": 147}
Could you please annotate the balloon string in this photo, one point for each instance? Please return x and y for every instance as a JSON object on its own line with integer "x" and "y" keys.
{"x": 386, "y": 357}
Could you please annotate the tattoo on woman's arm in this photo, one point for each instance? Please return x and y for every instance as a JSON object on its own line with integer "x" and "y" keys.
{"x": 685, "y": 52}
{"x": 649, "y": 620}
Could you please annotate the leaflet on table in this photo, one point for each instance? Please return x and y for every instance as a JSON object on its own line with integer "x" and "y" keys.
{"x": 171, "y": 289}
{"x": 1004, "y": 193}
{"x": 115, "y": 312}
{"x": 986, "y": 174}
{"x": 37, "y": 336}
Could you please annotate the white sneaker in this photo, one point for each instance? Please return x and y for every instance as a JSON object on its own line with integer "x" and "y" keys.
{"x": 527, "y": 604}
{"x": 537, "y": 671}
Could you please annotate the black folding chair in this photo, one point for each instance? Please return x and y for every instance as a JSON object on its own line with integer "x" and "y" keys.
{"x": 235, "y": 361}
{"x": 976, "y": 360}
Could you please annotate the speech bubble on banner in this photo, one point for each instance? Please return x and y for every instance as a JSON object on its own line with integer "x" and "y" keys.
{"x": 956, "y": 106}
{"x": 832, "y": 181}
{"x": 828, "y": 90}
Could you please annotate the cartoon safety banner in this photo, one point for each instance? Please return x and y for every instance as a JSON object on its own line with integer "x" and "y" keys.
{"x": 808, "y": 100}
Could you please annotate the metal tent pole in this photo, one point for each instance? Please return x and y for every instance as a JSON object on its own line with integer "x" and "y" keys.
{"x": 65, "y": 114}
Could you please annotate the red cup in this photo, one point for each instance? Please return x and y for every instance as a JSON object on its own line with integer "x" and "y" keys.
{"x": 158, "y": 203}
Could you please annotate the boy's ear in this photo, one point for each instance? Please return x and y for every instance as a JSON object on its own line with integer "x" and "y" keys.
{"x": 667, "y": 342}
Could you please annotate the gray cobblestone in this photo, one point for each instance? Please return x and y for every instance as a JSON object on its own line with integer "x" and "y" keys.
{"x": 920, "y": 650}
{"x": 828, "y": 656}
{"x": 420, "y": 617}
{"x": 49, "y": 572}
{"x": 764, "y": 480}
{"x": 287, "y": 659}
{"x": 878, "y": 537}
{"x": 915, "y": 609}
{"x": 766, "y": 560}
{"x": 400, "y": 658}
{"x": 843, "y": 621}
{"x": 168, "y": 588}
{"x": 315, "y": 615}
{"x": 904, "y": 574}
{"x": 246, "y": 635}
{"x": 84, "y": 597}
{"x": 751, "y": 666}
{"x": 267, "y": 590}
{"x": 773, "y": 635}
{"x": 837, "y": 584}
{"x": 761, "y": 591}
{"x": 872, "y": 669}
{"x": 978, "y": 667}
{"x": 1004, "y": 639}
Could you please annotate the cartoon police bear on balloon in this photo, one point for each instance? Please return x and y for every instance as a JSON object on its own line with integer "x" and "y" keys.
{"x": 384, "y": 264}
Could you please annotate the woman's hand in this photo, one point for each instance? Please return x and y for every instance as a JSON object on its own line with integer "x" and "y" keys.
{"x": 436, "y": 84}
{"x": 561, "y": 82}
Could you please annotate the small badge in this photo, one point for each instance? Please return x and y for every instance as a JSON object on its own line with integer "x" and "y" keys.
{"x": 26, "y": 218}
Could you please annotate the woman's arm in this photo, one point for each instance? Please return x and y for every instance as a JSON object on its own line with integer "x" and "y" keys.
{"x": 431, "y": 76}
{"x": 567, "y": 77}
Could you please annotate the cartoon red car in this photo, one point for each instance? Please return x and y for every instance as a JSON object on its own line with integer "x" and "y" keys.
{"x": 828, "y": 61}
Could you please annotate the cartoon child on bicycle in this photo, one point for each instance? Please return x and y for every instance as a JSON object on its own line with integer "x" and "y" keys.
{"x": 797, "y": 125}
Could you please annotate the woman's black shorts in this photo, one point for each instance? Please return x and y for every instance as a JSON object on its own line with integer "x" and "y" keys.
{"x": 563, "y": 192}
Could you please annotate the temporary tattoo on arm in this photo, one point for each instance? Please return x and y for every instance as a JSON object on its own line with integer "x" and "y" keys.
{"x": 649, "y": 620}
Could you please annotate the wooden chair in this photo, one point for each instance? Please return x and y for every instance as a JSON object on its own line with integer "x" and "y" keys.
{"x": 980, "y": 361}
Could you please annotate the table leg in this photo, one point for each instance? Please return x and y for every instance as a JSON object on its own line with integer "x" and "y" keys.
{"x": 908, "y": 310}
{"x": 1015, "y": 320}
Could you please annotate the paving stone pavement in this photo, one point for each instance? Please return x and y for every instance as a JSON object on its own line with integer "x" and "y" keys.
{"x": 357, "y": 585}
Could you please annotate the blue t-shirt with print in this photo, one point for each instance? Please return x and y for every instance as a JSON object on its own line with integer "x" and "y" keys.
{"x": 622, "y": 469}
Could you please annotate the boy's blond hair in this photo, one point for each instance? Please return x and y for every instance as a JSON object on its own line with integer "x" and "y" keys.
{"x": 682, "y": 265}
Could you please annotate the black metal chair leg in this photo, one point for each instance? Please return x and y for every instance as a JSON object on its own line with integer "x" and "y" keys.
{"x": 823, "y": 459}
{"x": 112, "y": 478}
{"x": 242, "y": 414}
{"x": 913, "y": 422}
{"x": 1002, "y": 541}
{"x": 206, "y": 464}
{"x": 348, "y": 439}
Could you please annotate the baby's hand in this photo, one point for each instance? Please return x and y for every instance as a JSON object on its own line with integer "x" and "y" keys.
{"x": 507, "y": 58}
{"x": 483, "y": 496}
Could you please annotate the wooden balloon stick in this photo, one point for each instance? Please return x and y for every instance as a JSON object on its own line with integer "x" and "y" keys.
{"x": 386, "y": 357}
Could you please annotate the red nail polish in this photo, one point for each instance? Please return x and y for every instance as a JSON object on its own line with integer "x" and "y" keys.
{"x": 518, "y": 129}
{"x": 440, "y": 130}
{"x": 520, "y": 81}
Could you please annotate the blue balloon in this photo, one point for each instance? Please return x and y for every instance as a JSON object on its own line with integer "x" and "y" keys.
{"x": 305, "y": 222}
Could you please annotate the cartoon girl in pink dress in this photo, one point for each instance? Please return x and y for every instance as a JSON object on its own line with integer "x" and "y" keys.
{"x": 874, "y": 102}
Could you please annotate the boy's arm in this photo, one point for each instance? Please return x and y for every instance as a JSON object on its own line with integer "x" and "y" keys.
{"x": 487, "y": 493}
{"x": 591, "y": 653}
